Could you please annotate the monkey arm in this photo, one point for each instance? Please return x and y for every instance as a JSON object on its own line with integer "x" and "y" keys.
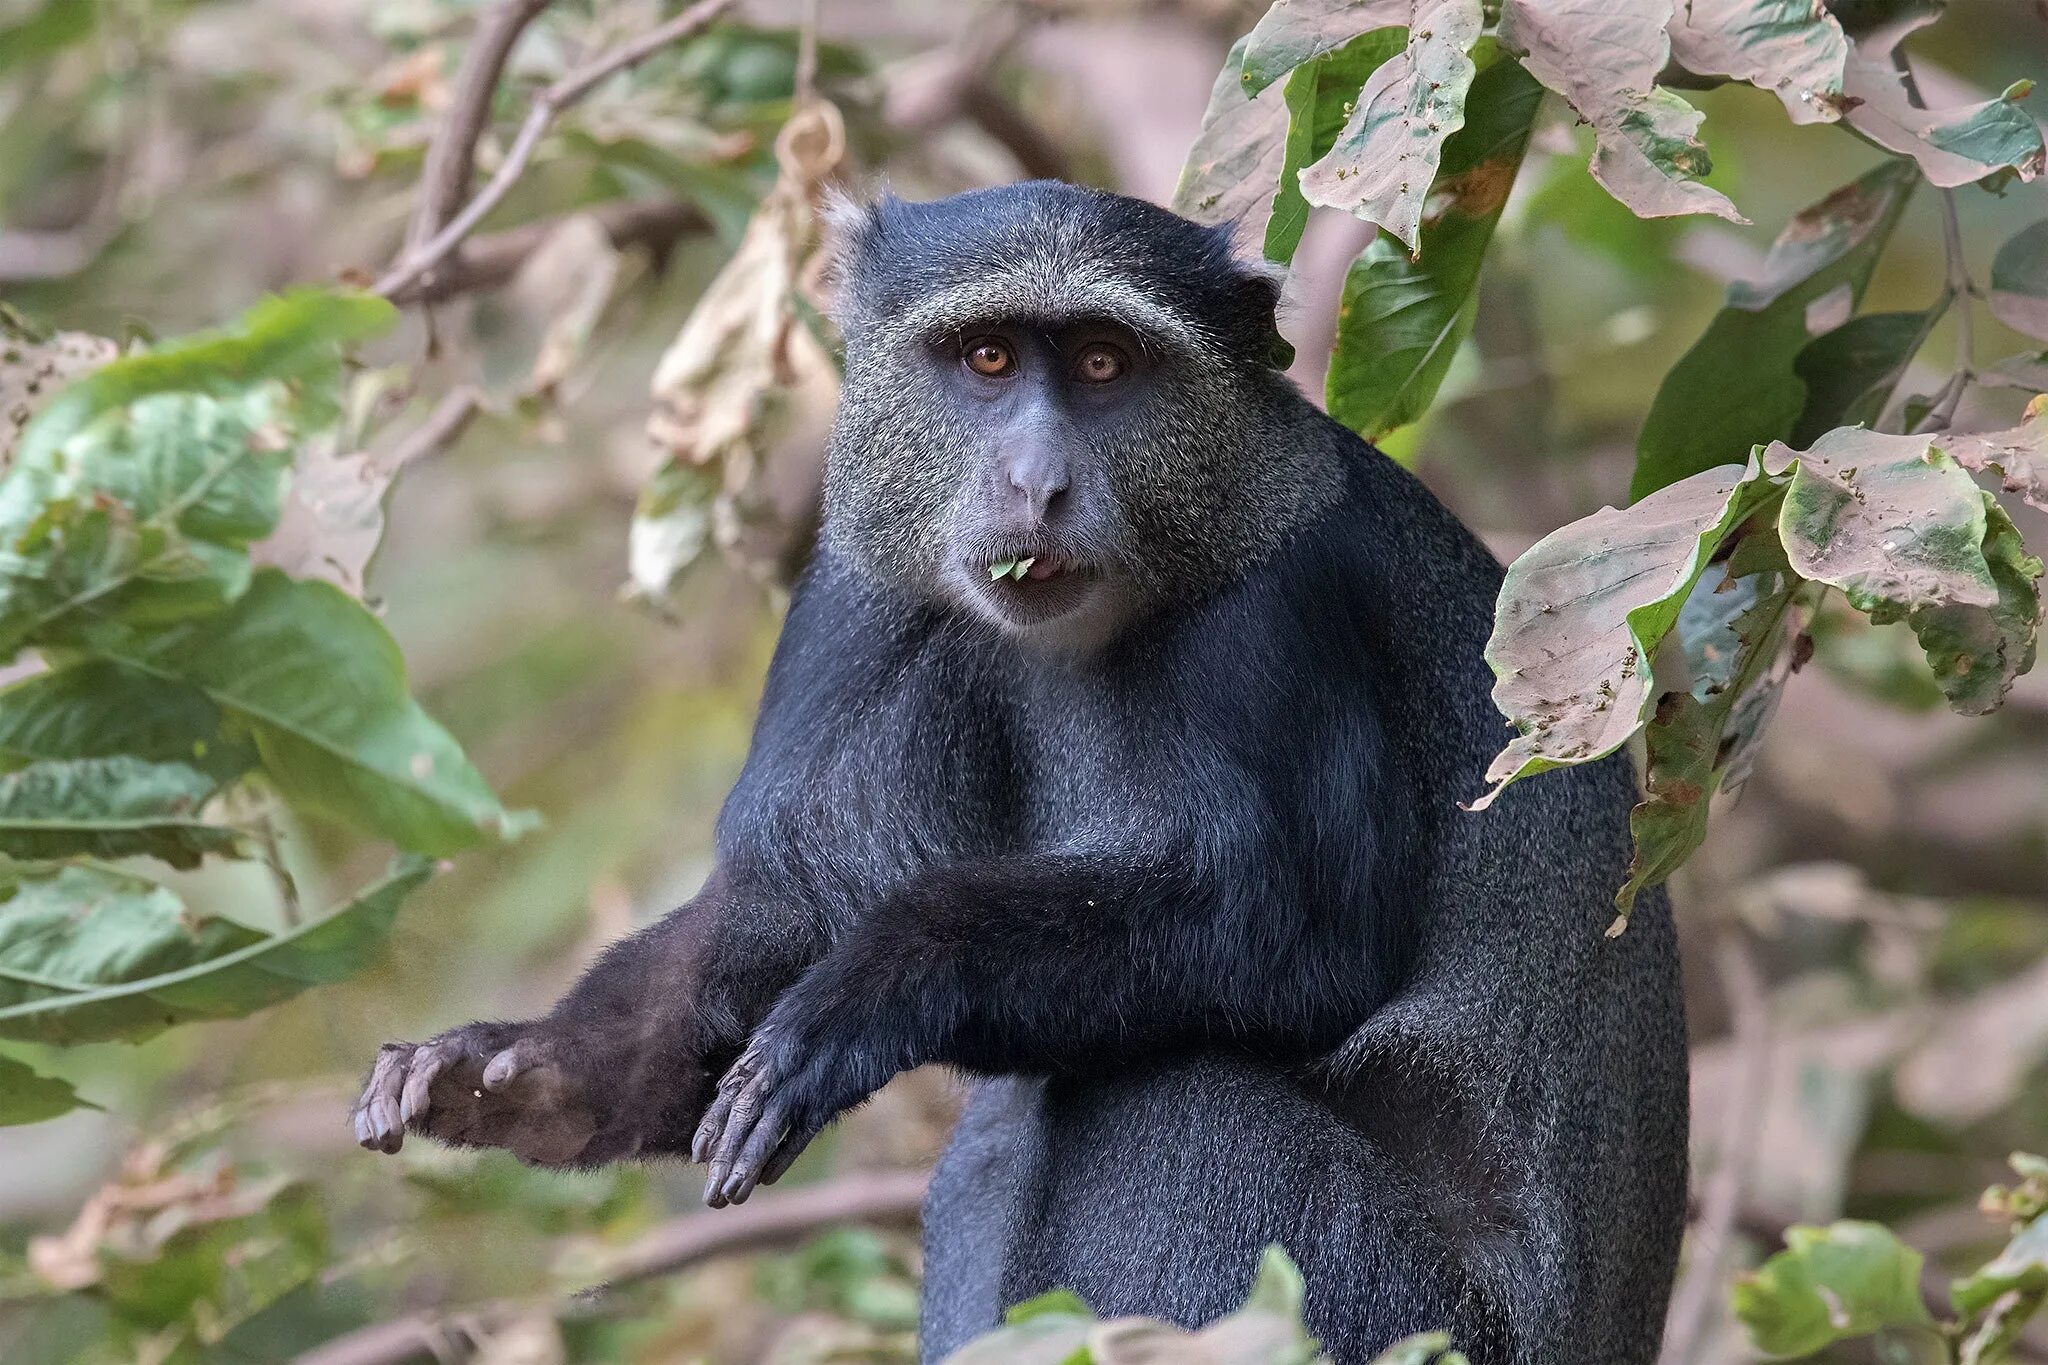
{"x": 622, "y": 1065}
{"x": 1022, "y": 963}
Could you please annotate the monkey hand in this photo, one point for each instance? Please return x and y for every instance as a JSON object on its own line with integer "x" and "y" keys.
{"x": 792, "y": 1080}
{"x": 551, "y": 1093}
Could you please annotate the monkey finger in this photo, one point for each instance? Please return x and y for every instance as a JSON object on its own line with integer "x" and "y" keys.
{"x": 377, "y": 1125}
{"x": 511, "y": 1063}
{"x": 793, "y": 1146}
{"x": 417, "y": 1096}
{"x": 760, "y": 1146}
{"x": 713, "y": 1124}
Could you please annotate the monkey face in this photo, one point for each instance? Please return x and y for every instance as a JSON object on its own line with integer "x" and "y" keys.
{"x": 1055, "y": 409}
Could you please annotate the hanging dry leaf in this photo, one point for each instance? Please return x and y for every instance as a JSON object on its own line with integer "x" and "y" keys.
{"x": 566, "y": 282}
{"x": 728, "y": 386}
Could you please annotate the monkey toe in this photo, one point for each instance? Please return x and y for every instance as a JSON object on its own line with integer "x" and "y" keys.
{"x": 379, "y": 1126}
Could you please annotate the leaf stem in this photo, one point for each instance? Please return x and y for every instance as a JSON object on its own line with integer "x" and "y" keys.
{"x": 1950, "y": 395}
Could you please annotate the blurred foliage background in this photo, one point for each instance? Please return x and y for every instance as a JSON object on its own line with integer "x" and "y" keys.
{"x": 1866, "y": 930}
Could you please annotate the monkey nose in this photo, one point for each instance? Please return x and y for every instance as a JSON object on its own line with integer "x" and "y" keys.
{"x": 1038, "y": 478}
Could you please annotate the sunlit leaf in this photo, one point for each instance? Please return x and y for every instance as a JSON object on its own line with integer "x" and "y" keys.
{"x": 1384, "y": 160}
{"x": 28, "y": 1096}
{"x": 319, "y": 684}
{"x": 1584, "y": 609}
{"x": 110, "y": 808}
{"x": 2019, "y": 281}
{"x": 1737, "y": 387}
{"x": 226, "y": 986}
{"x": 1604, "y": 56}
{"x": 291, "y": 336}
{"x": 1901, "y": 528}
{"x": 1320, "y": 93}
{"x": 2019, "y": 455}
{"x": 1234, "y": 166}
{"x": 1831, "y": 1284}
{"x": 1793, "y": 48}
{"x": 2021, "y": 1266}
{"x": 1400, "y": 320}
{"x": 1293, "y": 32}
{"x": 1952, "y": 146}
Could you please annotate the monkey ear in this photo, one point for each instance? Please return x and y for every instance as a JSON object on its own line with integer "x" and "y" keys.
{"x": 853, "y": 224}
{"x": 1260, "y": 288}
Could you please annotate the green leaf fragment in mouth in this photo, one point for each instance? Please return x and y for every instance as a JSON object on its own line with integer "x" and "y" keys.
{"x": 1014, "y": 569}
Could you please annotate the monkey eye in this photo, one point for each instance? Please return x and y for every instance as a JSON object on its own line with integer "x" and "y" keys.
{"x": 989, "y": 357}
{"x": 1100, "y": 364}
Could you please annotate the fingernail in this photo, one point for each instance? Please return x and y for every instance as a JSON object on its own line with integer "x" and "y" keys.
{"x": 714, "y": 1185}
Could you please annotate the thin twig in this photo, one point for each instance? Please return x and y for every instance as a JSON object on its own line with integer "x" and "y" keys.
{"x": 451, "y": 156}
{"x": 493, "y": 258}
{"x": 1942, "y": 411}
{"x": 1720, "y": 1202}
{"x": 772, "y": 1218}
{"x": 440, "y": 428}
{"x": 547, "y": 106}
{"x": 805, "y": 85}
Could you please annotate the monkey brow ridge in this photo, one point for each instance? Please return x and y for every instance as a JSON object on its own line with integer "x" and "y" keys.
{"x": 1054, "y": 297}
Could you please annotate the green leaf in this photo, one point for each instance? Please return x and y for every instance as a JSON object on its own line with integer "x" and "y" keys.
{"x": 2019, "y": 281}
{"x": 1793, "y": 48}
{"x": 1052, "y": 1303}
{"x": 1831, "y": 1284}
{"x": 1295, "y": 32}
{"x": 1420, "y": 1349}
{"x": 213, "y": 1264}
{"x": 2022, "y": 1266}
{"x": 1977, "y": 651}
{"x": 1233, "y": 167}
{"x": 1604, "y": 57}
{"x": 1737, "y": 387}
{"x": 1702, "y": 739}
{"x": 1385, "y": 158}
{"x": 56, "y": 25}
{"x": 97, "y": 709}
{"x": 77, "y": 927}
{"x": 1851, "y": 372}
{"x": 147, "y": 513}
{"x": 230, "y": 985}
{"x": 1399, "y": 321}
{"x": 318, "y": 683}
{"x": 27, "y": 1096}
{"x": 110, "y": 808}
{"x": 1320, "y": 92}
{"x": 297, "y": 335}
{"x": 1584, "y": 610}
{"x": 1044, "y": 1339}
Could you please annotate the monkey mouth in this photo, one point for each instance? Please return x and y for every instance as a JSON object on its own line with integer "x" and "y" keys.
{"x": 1022, "y": 590}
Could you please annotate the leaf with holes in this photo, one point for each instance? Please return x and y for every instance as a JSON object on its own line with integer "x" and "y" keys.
{"x": 1793, "y": 48}
{"x": 1604, "y": 56}
{"x": 1385, "y": 158}
{"x": 1952, "y": 146}
{"x": 35, "y": 367}
{"x": 1584, "y": 610}
{"x": 1319, "y": 95}
{"x": 1232, "y": 169}
{"x": 2019, "y": 455}
{"x": 1295, "y": 32}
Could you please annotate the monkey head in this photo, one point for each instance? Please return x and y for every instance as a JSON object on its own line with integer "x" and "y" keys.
{"x": 1060, "y": 408}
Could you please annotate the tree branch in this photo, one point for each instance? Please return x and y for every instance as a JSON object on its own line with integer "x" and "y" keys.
{"x": 564, "y": 94}
{"x": 770, "y": 1219}
{"x": 451, "y": 156}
